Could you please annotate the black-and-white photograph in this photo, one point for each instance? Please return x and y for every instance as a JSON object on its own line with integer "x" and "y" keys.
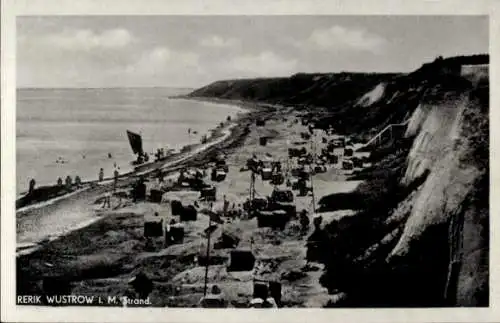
{"x": 252, "y": 161}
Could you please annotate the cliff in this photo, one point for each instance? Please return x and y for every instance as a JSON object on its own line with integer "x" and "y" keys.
{"x": 319, "y": 90}
{"x": 421, "y": 233}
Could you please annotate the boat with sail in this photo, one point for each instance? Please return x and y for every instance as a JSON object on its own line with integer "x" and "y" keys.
{"x": 135, "y": 141}
{"x": 143, "y": 158}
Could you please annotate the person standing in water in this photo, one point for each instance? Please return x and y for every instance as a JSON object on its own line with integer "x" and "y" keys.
{"x": 101, "y": 175}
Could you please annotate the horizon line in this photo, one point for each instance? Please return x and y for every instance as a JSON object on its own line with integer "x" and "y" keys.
{"x": 100, "y": 87}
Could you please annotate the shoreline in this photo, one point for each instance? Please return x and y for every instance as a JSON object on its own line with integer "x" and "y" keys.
{"x": 222, "y": 138}
{"x": 53, "y": 193}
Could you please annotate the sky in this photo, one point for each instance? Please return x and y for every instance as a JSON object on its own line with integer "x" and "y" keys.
{"x": 192, "y": 51}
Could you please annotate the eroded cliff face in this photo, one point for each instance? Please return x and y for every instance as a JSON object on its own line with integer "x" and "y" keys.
{"x": 439, "y": 148}
{"x": 442, "y": 147}
{"x": 426, "y": 243}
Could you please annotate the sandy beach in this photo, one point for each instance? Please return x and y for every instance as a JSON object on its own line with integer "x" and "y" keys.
{"x": 101, "y": 257}
{"x": 40, "y": 221}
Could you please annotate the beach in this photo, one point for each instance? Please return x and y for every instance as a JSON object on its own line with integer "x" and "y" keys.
{"x": 101, "y": 257}
{"x": 48, "y": 219}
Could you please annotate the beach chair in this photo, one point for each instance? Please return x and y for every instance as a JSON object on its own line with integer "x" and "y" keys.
{"x": 174, "y": 234}
{"x": 348, "y": 152}
{"x": 188, "y": 213}
{"x": 264, "y": 218}
{"x": 156, "y": 195}
{"x": 263, "y": 289}
{"x": 153, "y": 226}
{"x": 357, "y": 162}
{"x": 176, "y": 207}
{"x": 277, "y": 179}
{"x": 208, "y": 193}
{"x": 266, "y": 174}
{"x": 347, "y": 165}
{"x": 220, "y": 175}
{"x": 289, "y": 207}
{"x": 241, "y": 260}
{"x": 281, "y": 196}
{"x": 279, "y": 219}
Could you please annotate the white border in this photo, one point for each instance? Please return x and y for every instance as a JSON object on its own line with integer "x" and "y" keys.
{"x": 13, "y": 8}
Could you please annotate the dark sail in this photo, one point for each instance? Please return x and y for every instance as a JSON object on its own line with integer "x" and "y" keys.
{"x": 135, "y": 142}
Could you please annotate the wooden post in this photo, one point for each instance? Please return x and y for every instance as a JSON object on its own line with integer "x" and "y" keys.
{"x": 252, "y": 193}
{"x": 313, "y": 199}
{"x": 208, "y": 253}
{"x": 311, "y": 177}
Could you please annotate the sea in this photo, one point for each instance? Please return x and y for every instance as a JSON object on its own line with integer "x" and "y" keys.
{"x": 61, "y": 132}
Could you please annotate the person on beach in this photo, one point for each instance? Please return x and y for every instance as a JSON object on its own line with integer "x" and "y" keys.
{"x": 32, "y": 186}
{"x": 101, "y": 175}
{"x": 116, "y": 174}
{"x": 304, "y": 221}
{"x": 59, "y": 182}
{"x": 78, "y": 181}
{"x": 226, "y": 206}
{"x": 107, "y": 200}
{"x": 69, "y": 182}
